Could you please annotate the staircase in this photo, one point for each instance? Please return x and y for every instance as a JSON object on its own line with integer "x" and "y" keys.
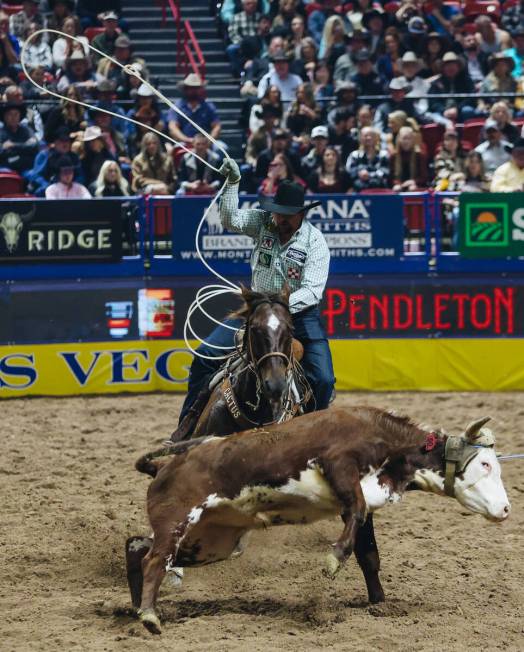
{"x": 157, "y": 45}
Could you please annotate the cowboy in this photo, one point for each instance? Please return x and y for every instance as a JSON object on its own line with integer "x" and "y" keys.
{"x": 288, "y": 250}
{"x": 194, "y": 105}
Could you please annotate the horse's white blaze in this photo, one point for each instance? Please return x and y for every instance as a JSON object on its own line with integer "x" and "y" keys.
{"x": 273, "y": 322}
{"x": 375, "y": 493}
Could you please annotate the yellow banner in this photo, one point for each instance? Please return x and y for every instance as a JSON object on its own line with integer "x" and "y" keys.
{"x": 374, "y": 365}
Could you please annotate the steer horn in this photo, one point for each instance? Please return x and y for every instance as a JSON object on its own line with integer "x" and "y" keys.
{"x": 476, "y": 434}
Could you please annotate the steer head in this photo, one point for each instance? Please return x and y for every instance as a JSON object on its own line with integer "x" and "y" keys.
{"x": 478, "y": 483}
{"x": 11, "y": 226}
{"x": 467, "y": 468}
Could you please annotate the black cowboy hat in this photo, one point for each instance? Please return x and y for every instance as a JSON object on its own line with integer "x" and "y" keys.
{"x": 289, "y": 200}
{"x": 7, "y": 106}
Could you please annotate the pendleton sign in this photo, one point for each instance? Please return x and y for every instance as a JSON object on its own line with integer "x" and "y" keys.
{"x": 58, "y": 230}
{"x": 491, "y": 225}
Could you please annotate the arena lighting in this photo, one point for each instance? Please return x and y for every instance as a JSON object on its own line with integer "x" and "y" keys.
{"x": 397, "y": 312}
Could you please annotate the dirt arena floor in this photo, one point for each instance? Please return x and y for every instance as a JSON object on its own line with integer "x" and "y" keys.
{"x": 70, "y": 497}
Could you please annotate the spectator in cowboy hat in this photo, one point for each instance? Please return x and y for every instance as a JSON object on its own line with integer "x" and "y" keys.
{"x": 345, "y": 66}
{"x": 105, "y": 42}
{"x": 453, "y": 79}
{"x": 19, "y": 22}
{"x": 105, "y": 98}
{"x": 509, "y": 177}
{"x": 398, "y": 101}
{"x": 410, "y": 66}
{"x": 93, "y": 153}
{"x": 499, "y": 79}
{"x": 18, "y": 143}
{"x": 281, "y": 77}
{"x": 60, "y": 10}
{"x": 78, "y": 73}
{"x": 260, "y": 139}
{"x": 366, "y": 78}
{"x": 45, "y": 163}
{"x": 346, "y": 93}
{"x": 193, "y": 104}
{"x": 65, "y": 186}
{"x": 375, "y": 21}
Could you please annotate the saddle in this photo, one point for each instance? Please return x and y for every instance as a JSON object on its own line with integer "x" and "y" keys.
{"x": 300, "y": 391}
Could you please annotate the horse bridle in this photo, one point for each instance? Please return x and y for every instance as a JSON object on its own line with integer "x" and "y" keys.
{"x": 256, "y": 362}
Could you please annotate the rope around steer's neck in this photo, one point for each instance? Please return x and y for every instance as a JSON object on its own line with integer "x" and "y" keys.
{"x": 207, "y": 292}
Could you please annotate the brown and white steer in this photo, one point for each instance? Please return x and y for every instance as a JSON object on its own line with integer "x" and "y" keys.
{"x": 204, "y": 500}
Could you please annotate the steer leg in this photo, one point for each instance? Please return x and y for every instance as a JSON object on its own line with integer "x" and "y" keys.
{"x": 154, "y": 569}
{"x": 136, "y": 549}
{"x": 366, "y": 552}
{"x": 343, "y": 476}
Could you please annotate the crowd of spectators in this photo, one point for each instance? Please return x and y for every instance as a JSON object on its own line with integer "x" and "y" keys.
{"x": 340, "y": 98}
{"x": 366, "y": 95}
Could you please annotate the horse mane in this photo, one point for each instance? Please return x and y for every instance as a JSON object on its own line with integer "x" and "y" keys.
{"x": 250, "y": 297}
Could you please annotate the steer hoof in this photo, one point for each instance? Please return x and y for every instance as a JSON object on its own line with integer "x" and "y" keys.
{"x": 333, "y": 565}
{"x": 150, "y": 621}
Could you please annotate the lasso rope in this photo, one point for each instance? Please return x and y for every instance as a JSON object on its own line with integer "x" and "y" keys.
{"x": 206, "y": 292}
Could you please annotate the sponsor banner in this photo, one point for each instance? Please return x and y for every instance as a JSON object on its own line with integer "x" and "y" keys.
{"x": 60, "y": 231}
{"x": 424, "y": 307}
{"x": 368, "y": 365}
{"x": 352, "y": 307}
{"x": 355, "y": 227}
{"x": 105, "y": 367}
{"x": 491, "y": 225}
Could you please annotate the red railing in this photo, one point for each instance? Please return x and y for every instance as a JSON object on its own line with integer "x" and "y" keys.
{"x": 189, "y": 56}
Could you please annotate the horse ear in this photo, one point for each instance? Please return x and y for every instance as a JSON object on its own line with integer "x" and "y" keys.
{"x": 247, "y": 293}
{"x": 285, "y": 292}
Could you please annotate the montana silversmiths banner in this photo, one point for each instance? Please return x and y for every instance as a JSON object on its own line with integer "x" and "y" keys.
{"x": 60, "y": 231}
{"x": 355, "y": 227}
{"x": 491, "y": 225}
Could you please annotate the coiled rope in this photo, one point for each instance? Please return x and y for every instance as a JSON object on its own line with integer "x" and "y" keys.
{"x": 207, "y": 292}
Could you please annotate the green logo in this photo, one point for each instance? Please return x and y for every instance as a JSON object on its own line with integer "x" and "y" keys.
{"x": 264, "y": 259}
{"x": 487, "y": 225}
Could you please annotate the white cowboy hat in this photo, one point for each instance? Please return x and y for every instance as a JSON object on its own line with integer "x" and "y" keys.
{"x": 91, "y": 133}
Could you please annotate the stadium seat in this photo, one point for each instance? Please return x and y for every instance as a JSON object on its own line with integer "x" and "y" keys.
{"x": 391, "y": 7}
{"x": 91, "y": 32}
{"x": 378, "y": 191}
{"x": 481, "y": 8}
{"x": 11, "y": 9}
{"x": 11, "y": 183}
{"x": 471, "y": 131}
{"x": 432, "y": 135}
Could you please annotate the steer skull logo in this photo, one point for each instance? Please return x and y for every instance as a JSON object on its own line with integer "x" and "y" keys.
{"x": 11, "y": 226}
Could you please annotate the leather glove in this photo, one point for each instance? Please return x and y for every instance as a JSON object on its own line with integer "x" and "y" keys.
{"x": 230, "y": 170}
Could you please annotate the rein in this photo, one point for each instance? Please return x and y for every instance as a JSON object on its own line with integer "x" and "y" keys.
{"x": 253, "y": 365}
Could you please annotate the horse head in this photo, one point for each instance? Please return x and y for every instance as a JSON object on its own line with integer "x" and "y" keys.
{"x": 268, "y": 342}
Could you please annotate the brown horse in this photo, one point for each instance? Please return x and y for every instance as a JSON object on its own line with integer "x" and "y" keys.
{"x": 260, "y": 384}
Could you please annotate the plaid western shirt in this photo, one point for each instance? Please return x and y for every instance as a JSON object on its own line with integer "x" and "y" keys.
{"x": 243, "y": 25}
{"x": 302, "y": 263}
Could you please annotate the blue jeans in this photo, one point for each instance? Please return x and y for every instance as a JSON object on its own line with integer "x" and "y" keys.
{"x": 308, "y": 330}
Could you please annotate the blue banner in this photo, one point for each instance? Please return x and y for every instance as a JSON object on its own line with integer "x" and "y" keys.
{"x": 356, "y": 228}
